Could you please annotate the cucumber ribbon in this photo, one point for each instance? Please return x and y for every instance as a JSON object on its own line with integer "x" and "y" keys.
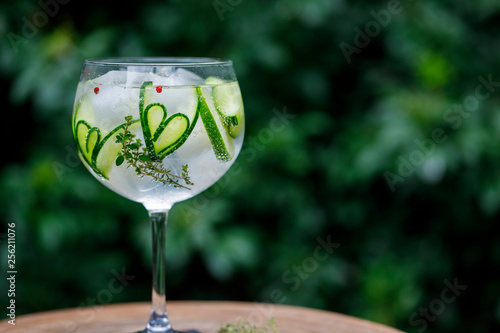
{"x": 163, "y": 134}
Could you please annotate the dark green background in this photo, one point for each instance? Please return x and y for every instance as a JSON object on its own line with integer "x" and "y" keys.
{"x": 322, "y": 175}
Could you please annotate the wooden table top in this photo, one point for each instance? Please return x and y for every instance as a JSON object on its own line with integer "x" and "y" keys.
{"x": 204, "y": 317}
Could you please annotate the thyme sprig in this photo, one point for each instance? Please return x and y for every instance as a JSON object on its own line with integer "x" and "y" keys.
{"x": 249, "y": 327}
{"x": 137, "y": 157}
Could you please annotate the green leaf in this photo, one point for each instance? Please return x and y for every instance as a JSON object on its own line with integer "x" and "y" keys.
{"x": 119, "y": 160}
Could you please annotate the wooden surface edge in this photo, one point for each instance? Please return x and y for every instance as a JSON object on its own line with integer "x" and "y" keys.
{"x": 219, "y": 312}
{"x": 298, "y": 311}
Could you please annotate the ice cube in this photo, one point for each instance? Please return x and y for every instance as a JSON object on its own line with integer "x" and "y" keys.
{"x": 170, "y": 77}
{"x": 136, "y": 79}
{"x": 114, "y": 99}
{"x": 111, "y": 77}
{"x": 163, "y": 76}
{"x": 126, "y": 79}
{"x": 118, "y": 92}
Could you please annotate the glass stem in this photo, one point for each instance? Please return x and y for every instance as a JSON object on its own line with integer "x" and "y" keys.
{"x": 158, "y": 322}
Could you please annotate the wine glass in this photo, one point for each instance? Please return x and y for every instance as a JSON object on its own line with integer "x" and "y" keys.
{"x": 158, "y": 131}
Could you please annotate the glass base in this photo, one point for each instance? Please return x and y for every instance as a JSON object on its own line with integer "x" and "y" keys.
{"x": 168, "y": 331}
{"x": 159, "y": 324}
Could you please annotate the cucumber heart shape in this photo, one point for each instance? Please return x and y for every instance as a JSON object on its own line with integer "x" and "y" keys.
{"x": 162, "y": 134}
{"x": 100, "y": 152}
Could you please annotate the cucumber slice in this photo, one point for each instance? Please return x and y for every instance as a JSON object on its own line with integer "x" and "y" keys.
{"x": 229, "y": 104}
{"x": 87, "y": 141}
{"x": 93, "y": 138}
{"x": 146, "y": 99}
{"x": 155, "y": 114}
{"x": 104, "y": 154}
{"x": 163, "y": 135}
{"x": 176, "y": 128}
{"x": 214, "y": 81}
{"x": 221, "y": 143}
{"x": 81, "y": 131}
{"x": 173, "y": 131}
{"x": 83, "y": 111}
{"x": 100, "y": 154}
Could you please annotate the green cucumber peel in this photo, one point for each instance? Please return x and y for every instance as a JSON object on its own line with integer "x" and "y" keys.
{"x": 163, "y": 135}
{"x": 227, "y": 100}
{"x": 85, "y": 148}
{"x": 146, "y": 131}
{"x": 151, "y": 139}
{"x": 77, "y": 139}
{"x": 180, "y": 140}
{"x": 184, "y": 137}
{"x": 90, "y": 144}
{"x": 162, "y": 124}
{"x": 213, "y": 132}
{"x": 229, "y": 120}
{"x": 101, "y": 144}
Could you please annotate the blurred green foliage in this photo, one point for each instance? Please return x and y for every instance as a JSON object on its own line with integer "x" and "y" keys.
{"x": 322, "y": 175}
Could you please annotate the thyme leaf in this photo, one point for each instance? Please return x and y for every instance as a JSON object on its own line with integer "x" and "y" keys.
{"x": 137, "y": 157}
